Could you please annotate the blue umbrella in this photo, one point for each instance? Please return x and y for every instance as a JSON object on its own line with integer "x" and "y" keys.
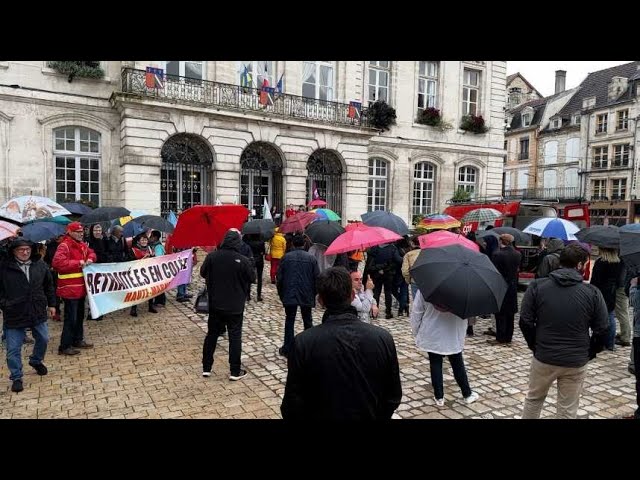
{"x": 631, "y": 227}
{"x": 551, "y": 227}
{"x": 384, "y": 219}
{"x": 39, "y": 231}
{"x": 77, "y": 208}
{"x": 131, "y": 229}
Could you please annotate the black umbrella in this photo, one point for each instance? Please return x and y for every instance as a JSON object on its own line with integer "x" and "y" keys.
{"x": 455, "y": 277}
{"x": 154, "y": 222}
{"x": 519, "y": 236}
{"x": 263, "y": 227}
{"x": 104, "y": 214}
{"x": 630, "y": 249}
{"x": 384, "y": 219}
{"x": 324, "y": 232}
{"x": 77, "y": 208}
{"x": 39, "y": 231}
{"x": 606, "y": 236}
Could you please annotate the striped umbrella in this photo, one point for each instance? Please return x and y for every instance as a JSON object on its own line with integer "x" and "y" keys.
{"x": 327, "y": 214}
{"x": 438, "y": 221}
{"x": 481, "y": 215}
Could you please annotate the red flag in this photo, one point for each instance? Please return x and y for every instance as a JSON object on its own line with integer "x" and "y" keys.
{"x": 264, "y": 95}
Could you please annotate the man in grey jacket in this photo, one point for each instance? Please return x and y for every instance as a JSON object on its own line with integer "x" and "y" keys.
{"x": 555, "y": 318}
{"x": 363, "y": 300}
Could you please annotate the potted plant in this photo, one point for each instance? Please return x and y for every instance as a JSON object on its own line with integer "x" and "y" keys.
{"x": 473, "y": 123}
{"x": 78, "y": 69}
{"x": 461, "y": 195}
{"x": 381, "y": 115}
{"x": 429, "y": 116}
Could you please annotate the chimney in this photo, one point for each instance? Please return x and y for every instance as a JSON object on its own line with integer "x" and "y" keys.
{"x": 561, "y": 78}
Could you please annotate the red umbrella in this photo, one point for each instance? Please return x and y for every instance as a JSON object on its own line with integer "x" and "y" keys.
{"x": 442, "y": 238}
{"x": 298, "y": 222}
{"x": 206, "y": 225}
{"x": 317, "y": 203}
{"x": 353, "y": 226}
{"x": 361, "y": 237}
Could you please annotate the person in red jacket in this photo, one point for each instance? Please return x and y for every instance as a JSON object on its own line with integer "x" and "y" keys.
{"x": 141, "y": 249}
{"x": 70, "y": 257}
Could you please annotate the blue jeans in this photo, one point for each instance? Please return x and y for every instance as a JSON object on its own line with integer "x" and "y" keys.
{"x": 73, "y": 327}
{"x": 15, "y": 338}
{"x": 611, "y": 334}
{"x": 182, "y": 290}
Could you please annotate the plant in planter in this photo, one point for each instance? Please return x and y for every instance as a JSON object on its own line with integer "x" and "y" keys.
{"x": 381, "y": 115}
{"x": 431, "y": 116}
{"x": 461, "y": 195}
{"x": 473, "y": 123}
{"x": 78, "y": 69}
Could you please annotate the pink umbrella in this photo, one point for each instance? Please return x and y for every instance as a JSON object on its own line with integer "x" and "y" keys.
{"x": 353, "y": 226}
{"x": 361, "y": 237}
{"x": 298, "y": 222}
{"x": 317, "y": 203}
{"x": 441, "y": 238}
{"x": 8, "y": 230}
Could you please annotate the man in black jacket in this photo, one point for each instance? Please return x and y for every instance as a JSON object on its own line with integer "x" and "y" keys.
{"x": 556, "y": 315}
{"x": 343, "y": 369}
{"x": 115, "y": 246}
{"x": 26, "y": 293}
{"x": 228, "y": 275}
{"x": 507, "y": 262}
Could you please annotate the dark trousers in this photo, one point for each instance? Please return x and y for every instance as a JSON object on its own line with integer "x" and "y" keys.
{"x": 290, "y": 312}
{"x": 459, "y": 372}
{"x": 73, "y": 326}
{"x": 401, "y": 292}
{"x": 636, "y": 361}
{"x": 160, "y": 299}
{"x": 54, "y": 277}
{"x": 218, "y": 321}
{"x": 259, "y": 270}
{"x": 504, "y": 327}
{"x": 385, "y": 281}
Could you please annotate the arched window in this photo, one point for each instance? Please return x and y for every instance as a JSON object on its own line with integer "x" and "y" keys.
{"x": 185, "y": 175}
{"x": 261, "y": 177}
{"x": 325, "y": 174}
{"x": 468, "y": 179}
{"x": 424, "y": 180}
{"x": 77, "y": 154}
{"x": 377, "y": 188}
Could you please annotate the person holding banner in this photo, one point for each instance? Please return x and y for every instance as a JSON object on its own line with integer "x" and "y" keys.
{"x": 141, "y": 249}
{"x": 158, "y": 251}
{"x": 72, "y": 254}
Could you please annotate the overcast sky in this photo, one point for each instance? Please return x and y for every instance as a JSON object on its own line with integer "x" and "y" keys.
{"x": 542, "y": 74}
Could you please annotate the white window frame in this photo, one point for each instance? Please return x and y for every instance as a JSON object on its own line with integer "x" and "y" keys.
{"x": 555, "y": 123}
{"x": 317, "y": 86}
{"x": 619, "y": 188}
{"x": 77, "y": 156}
{"x": 600, "y": 157}
{"x": 599, "y": 187}
{"x": 182, "y": 68}
{"x": 470, "y": 107}
{"x": 622, "y": 119}
{"x": 526, "y": 119}
{"x": 576, "y": 119}
{"x": 468, "y": 177}
{"x": 256, "y": 69}
{"x": 375, "y": 71}
{"x": 424, "y": 188}
{"x": 378, "y": 182}
{"x": 428, "y": 84}
{"x": 621, "y": 155}
{"x": 602, "y": 121}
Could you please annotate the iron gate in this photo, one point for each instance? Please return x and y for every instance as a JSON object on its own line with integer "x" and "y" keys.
{"x": 325, "y": 173}
{"x": 261, "y": 177}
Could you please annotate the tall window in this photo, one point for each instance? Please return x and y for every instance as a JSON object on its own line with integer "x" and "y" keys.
{"x": 77, "y": 155}
{"x": 189, "y": 69}
{"x": 573, "y": 150}
{"x": 551, "y": 152}
{"x": 601, "y": 123}
{"x": 507, "y": 180}
{"x": 524, "y": 149}
{"x": 549, "y": 178}
{"x": 317, "y": 80}
{"x": 379, "y": 73}
{"x": 470, "y": 92}
{"x": 600, "y": 157}
{"x": 468, "y": 179}
{"x": 622, "y": 122}
{"x": 571, "y": 178}
{"x": 621, "y": 155}
{"x": 428, "y": 84}
{"x": 253, "y": 73}
{"x": 424, "y": 178}
{"x": 377, "y": 188}
{"x": 599, "y": 188}
{"x": 523, "y": 179}
{"x": 618, "y": 188}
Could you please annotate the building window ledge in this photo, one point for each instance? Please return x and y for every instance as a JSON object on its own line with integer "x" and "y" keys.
{"x": 4, "y": 64}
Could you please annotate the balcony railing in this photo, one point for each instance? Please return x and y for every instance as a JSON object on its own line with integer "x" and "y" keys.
{"x": 236, "y": 97}
{"x": 560, "y": 193}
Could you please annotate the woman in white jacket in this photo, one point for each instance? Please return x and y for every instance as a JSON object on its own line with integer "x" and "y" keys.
{"x": 441, "y": 333}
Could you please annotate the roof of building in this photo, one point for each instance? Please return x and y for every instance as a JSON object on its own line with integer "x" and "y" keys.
{"x": 511, "y": 77}
{"x": 538, "y": 111}
{"x": 596, "y": 85}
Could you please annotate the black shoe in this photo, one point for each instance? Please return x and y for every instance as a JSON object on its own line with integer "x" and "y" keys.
{"x": 182, "y": 299}
{"x": 238, "y": 376}
{"x": 83, "y": 344}
{"x": 153, "y": 310}
{"x": 133, "y": 313}
{"x": 16, "y": 386}
{"x": 469, "y": 331}
{"x": 282, "y": 352}
{"x": 388, "y": 316}
{"x": 68, "y": 351}
{"x": 259, "y": 298}
{"x": 490, "y": 331}
{"x": 188, "y": 295}
{"x": 631, "y": 369}
{"x": 621, "y": 343}
{"x": 40, "y": 368}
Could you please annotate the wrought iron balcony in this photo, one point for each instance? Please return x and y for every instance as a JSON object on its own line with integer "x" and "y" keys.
{"x": 560, "y": 193}
{"x": 236, "y": 97}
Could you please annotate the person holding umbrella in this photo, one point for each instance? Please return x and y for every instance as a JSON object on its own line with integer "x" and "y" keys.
{"x": 507, "y": 262}
{"x": 158, "y": 251}
{"x": 382, "y": 263}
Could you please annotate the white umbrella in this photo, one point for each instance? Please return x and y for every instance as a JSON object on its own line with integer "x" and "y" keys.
{"x": 551, "y": 227}
{"x": 28, "y": 207}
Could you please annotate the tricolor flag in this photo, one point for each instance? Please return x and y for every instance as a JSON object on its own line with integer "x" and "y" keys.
{"x": 154, "y": 78}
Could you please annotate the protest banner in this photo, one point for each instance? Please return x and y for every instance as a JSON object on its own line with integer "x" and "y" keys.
{"x": 114, "y": 286}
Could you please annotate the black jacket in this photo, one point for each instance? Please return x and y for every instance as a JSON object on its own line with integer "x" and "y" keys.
{"x": 296, "y": 278}
{"x": 556, "y": 315}
{"x": 228, "y": 275}
{"x": 343, "y": 369}
{"x": 98, "y": 245}
{"x": 257, "y": 250}
{"x": 608, "y": 277}
{"x": 24, "y": 303}
{"x": 386, "y": 258}
{"x": 115, "y": 250}
{"x": 507, "y": 262}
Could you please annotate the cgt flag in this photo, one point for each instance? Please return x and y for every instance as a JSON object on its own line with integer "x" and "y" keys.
{"x": 154, "y": 77}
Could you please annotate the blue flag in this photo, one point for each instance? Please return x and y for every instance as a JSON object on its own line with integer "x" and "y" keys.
{"x": 171, "y": 218}
{"x": 279, "y": 85}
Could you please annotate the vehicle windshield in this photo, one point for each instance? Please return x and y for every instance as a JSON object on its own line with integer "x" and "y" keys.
{"x": 531, "y": 213}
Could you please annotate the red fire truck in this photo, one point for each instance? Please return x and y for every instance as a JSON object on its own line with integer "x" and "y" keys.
{"x": 519, "y": 214}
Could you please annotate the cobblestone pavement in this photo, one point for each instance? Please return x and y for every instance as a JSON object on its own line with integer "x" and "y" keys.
{"x": 150, "y": 367}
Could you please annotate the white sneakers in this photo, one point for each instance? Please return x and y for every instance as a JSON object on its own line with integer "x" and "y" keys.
{"x": 472, "y": 398}
{"x": 206, "y": 374}
{"x": 439, "y": 401}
